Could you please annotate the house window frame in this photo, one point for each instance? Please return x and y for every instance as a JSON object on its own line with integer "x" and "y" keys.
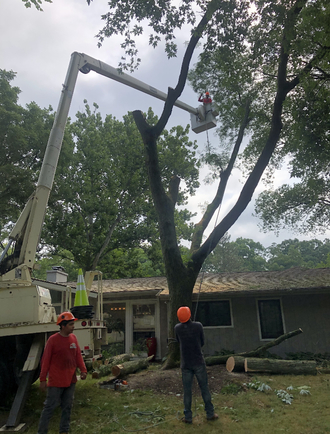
{"x": 212, "y": 301}
{"x": 129, "y": 322}
{"x": 259, "y": 319}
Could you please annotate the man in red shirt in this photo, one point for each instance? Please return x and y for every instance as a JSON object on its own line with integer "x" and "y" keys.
{"x": 60, "y": 360}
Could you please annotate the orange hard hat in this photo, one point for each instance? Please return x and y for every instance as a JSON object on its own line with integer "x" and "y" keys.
{"x": 207, "y": 93}
{"x": 184, "y": 314}
{"x": 65, "y": 316}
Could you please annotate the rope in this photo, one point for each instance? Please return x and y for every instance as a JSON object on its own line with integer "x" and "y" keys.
{"x": 209, "y": 250}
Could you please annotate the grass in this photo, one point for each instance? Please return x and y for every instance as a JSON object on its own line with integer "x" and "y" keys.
{"x": 241, "y": 409}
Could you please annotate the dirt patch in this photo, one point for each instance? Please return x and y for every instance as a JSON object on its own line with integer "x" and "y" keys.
{"x": 169, "y": 382}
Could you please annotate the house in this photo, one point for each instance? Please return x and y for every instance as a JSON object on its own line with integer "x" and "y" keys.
{"x": 239, "y": 311}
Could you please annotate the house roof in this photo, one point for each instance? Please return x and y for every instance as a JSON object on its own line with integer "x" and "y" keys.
{"x": 234, "y": 283}
{"x": 144, "y": 286}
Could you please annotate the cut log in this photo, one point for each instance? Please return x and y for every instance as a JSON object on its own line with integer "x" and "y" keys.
{"x": 235, "y": 364}
{"x": 126, "y": 368}
{"x": 104, "y": 370}
{"x": 120, "y": 358}
{"x": 218, "y": 360}
{"x": 276, "y": 366}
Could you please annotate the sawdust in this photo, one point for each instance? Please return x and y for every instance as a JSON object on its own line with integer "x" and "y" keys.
{"x": 169, "y": 382}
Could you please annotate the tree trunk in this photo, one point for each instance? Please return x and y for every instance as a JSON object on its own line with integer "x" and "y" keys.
{"x": 219, "y": 360}
{"x": 235, "y": 364}
{"x": 275, "y": 366}
{"x": 130, "y": 367}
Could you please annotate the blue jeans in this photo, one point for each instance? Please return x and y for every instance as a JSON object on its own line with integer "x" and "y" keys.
{"x": 56, "y": 396}
{"x": 187, "y": 380}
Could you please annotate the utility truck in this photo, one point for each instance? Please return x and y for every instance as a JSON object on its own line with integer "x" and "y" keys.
{"x": 27, "y": 312}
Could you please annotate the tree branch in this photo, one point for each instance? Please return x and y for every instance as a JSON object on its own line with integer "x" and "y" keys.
{"x": 251, "y": 183}
{"x": 308, "y": 68}
{"x": 204, "y": 222}
{"x": 174, "y": 94}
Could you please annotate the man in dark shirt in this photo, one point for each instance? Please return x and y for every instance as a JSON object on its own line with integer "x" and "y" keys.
{"x": 190, "y": 335}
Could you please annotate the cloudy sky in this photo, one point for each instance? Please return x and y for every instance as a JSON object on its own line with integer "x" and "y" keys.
{"x": 38, "y": 45}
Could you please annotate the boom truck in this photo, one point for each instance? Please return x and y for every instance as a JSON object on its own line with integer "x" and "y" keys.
{"x": 27, "y": 314}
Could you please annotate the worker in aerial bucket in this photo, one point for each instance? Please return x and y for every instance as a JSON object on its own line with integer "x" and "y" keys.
{"x": 61, "y": 358}
{"x": 190, "y": 336}
{"x": 205, "y": 99}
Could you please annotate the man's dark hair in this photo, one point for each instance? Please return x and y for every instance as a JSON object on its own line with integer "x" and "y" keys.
{"x": 64, "y": 323}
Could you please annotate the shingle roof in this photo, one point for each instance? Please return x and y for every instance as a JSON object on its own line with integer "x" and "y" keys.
{"x": 132, "y": 285}
{"x": 286, "y": 280}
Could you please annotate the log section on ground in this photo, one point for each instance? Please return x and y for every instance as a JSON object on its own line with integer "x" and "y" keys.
{"x": 130, "y": 367}
{"x": 276, "y": 366}
{"x": 218, "y": 360}
{"x": 235, "y": 364}
{"x": 104, "y": 370}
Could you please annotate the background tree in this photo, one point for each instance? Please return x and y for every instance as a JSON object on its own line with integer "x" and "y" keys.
{"x": 102, "y": 204}
{"x": 23, "y": 135}
{"x": 270, "y": 53}
{"x": 245, "y": 255}
{"x": 236, "y": 256}
{"x": 295, "y": 253}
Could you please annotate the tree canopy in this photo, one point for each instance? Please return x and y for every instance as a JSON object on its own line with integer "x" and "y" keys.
{"x": 36, "y": 3}
{"x": 260, "y": 59}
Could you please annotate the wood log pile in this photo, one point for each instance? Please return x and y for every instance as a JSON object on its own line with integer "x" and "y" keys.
{"x": 121, "y": 365}
{"x": 131, "y": 367}
{"x": 123, "y": 369}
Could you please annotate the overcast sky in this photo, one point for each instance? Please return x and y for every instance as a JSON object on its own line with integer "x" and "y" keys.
{"x": 38, "y": 45}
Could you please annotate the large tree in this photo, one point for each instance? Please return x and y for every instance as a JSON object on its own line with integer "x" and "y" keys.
{"x": 269, "y": 52}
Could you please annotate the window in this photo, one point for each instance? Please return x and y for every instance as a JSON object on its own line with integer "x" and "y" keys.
{"x": 270, "y": 317}
{"x": 56, "y": 300}
{"x": 213, "y": 313}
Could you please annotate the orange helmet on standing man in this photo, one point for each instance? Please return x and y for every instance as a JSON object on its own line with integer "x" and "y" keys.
{"x": 183, "y": 314}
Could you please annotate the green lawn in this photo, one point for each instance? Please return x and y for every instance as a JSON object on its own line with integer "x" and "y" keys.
{"x": 241, "y": 409}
